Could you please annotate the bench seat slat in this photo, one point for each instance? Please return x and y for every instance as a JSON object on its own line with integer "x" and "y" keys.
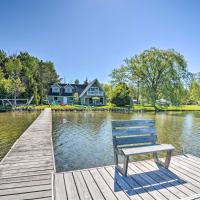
{"x": 135, "y": 140}
{"x": 133, "y": 131}
{"x": 129, "y": 123}
{"x": 147, "y": 149}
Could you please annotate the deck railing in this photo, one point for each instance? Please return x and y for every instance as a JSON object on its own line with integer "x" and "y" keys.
{"x": 99, "y": 93}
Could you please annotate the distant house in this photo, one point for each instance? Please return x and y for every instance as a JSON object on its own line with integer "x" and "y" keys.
{"x": 87, "y": 94}
{"x": 163, "y": 102}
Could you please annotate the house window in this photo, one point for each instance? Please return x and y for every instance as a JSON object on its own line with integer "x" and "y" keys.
{"x": 93, "y": 91}
{"x": 55, "y": 89}
{"x": 68, "y": 89}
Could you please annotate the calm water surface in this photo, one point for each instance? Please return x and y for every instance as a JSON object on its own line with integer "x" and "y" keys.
{"x": 12, "y": 125}
{"x": 83, "y": 139}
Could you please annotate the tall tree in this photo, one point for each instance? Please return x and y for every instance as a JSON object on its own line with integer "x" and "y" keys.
{"x": 2, "y": 84}
{"x": 14, "y": 85}
{"x": 46, "y": 75}
{"x": 159, "y": 71}
{"x": 26, "y": 75}
{"x": 76, "y": 82}
{"x": 194, "y": 92}
{"x": 3, "y": 57}
{"x": 29, "y": 71}
{"x": 107, "y": 88}
{"x": 120, "y": 75}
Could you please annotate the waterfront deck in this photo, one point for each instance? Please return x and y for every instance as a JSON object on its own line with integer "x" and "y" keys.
{"x": 145, "y": 181}
{"x": 26, "y": 171}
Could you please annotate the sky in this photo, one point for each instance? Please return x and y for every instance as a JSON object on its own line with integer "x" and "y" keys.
{"x": 89, "y": 38}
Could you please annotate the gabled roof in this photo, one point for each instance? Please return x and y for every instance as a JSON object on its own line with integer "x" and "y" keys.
{"x": 68, "y": 85}
{"x": 56, "y": 84}
{"x": 81, "y": 89}
{"x": 75, "y": 88}
{"x": 88, "y": 86}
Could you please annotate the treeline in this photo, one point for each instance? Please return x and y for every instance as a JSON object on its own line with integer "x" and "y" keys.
{"x": 151, "y": 76}
{"x": 23, "y": 75}
{"x": 146, "y": 78}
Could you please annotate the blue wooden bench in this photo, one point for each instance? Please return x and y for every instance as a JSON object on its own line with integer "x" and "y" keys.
{"x": 134, "y": 137}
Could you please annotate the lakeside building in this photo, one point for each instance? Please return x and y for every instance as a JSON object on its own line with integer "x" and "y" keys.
{"x": 84, "y": 94}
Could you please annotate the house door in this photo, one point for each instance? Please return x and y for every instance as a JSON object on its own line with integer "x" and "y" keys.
{"x": 65, "y": 100}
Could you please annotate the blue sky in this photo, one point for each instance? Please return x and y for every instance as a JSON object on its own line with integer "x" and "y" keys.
{"x": 89, "y": 38}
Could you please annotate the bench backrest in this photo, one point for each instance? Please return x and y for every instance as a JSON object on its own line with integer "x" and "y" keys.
{"x": 133, "y": 133}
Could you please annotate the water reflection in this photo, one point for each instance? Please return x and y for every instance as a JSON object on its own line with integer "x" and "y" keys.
{"x": 84, "y": 139}
{"x": 12, "y": 125}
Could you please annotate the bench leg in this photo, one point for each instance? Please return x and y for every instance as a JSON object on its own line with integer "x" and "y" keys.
{"x": 115, "y": 158}
{"x": 125, "y": 164}
{"x": 167, "y": 159}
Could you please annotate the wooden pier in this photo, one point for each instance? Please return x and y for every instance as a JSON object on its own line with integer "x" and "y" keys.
{"x": 26, "y": 171}
{"x": 145, "y": 181}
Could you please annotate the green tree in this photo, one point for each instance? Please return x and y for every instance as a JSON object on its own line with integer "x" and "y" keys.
{"x": 14, "y": 85}
{"x": 76, "y": 97}
{"x": 45, "y": 76}
{"x": 121, "y": 95}
{"x": 37, "y": 76}
{"x": 120, "y": 75}
{"x": 194, "y": 92}
{"x": 196, "y": 77}
{"x": 107, "y": 88}
{"x": 2, "y": 84}
{"x": 3, "y": 57}
{"x": 161, "y": 73}
{"x": 76, "y": 82}
{"x": 27, "y": 75}
{"x": 13, "y": 67}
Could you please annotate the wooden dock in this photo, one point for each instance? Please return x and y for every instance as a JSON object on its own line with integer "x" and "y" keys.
{"x": 145, "y": 181}
{"x": 26, "y": 171}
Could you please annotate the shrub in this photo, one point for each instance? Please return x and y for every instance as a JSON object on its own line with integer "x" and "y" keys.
{"x": 121, "y": 95}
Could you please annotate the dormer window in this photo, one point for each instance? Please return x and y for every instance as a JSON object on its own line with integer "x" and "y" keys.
{"x": 68, "y": 89}
{"x": 55, "y": 89}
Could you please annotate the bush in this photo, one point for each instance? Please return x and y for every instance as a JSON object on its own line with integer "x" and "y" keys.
{"x": 121, "y": 95}
{"x": 121, "y": 101}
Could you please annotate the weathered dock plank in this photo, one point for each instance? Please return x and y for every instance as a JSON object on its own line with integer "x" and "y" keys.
{"x": 145, "y": 181}
{"x": 26, "y": 171}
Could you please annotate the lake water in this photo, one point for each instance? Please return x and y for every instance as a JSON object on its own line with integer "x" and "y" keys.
{"x": 84, "y": 139}
{"x": 12, "y": 125}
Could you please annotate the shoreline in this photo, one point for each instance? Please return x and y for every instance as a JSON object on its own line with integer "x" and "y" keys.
{"x": 106, "y": 109}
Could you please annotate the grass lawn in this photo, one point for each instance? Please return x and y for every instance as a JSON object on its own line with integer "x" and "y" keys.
{"x": 111, "y": 107}
{"x": 183, "y": 108}
{"x": 168, "y": 108}
{"x": 72, "y": 107}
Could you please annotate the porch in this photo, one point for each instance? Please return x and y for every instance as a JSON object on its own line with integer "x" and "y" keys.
{"x": 94, "y": 101}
